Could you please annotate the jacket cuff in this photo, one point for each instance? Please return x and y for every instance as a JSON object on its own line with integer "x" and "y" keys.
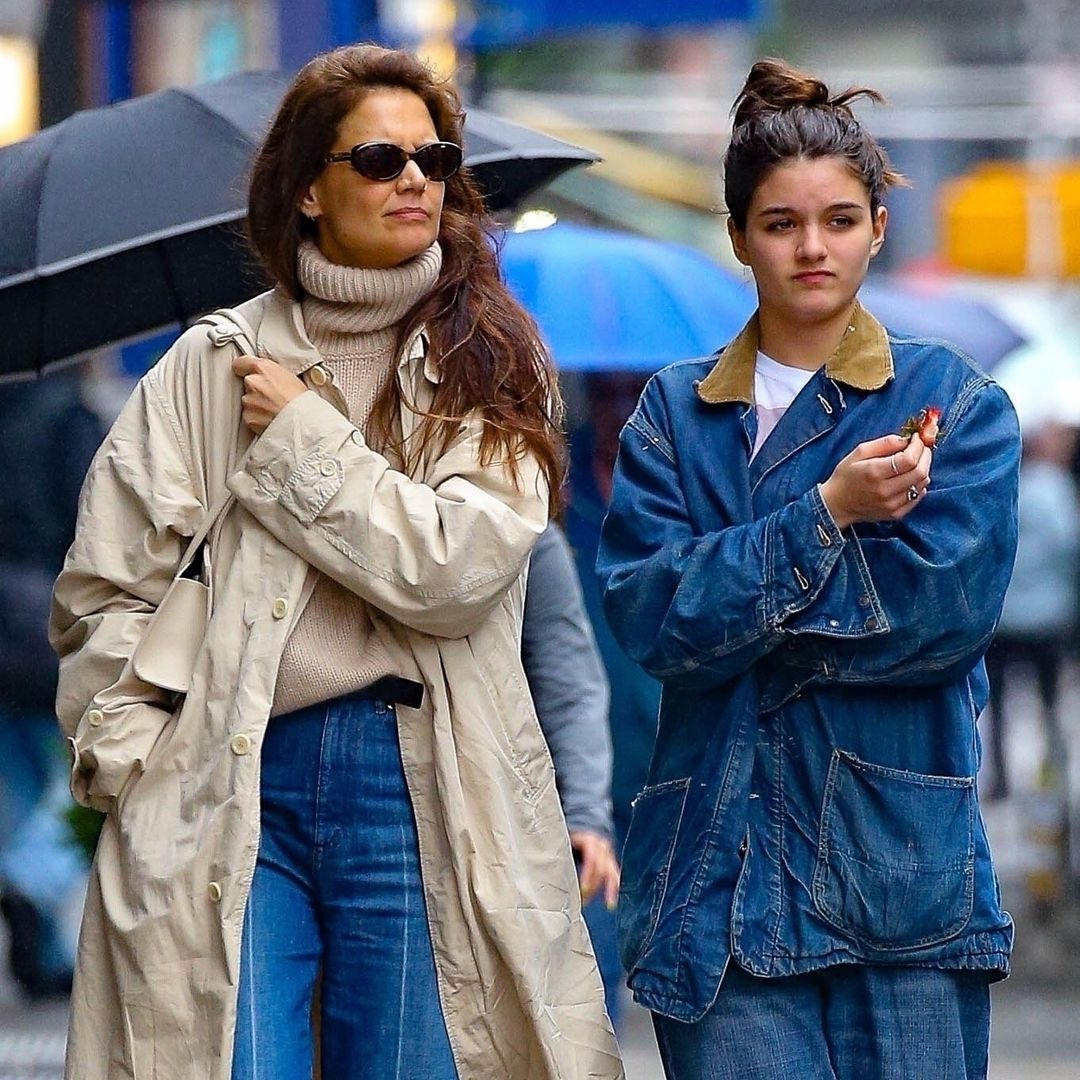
{"x": 297, "y": 459}
{"x": 803, "y": 545}
{"x": 109, "y": 745}
{"x": 850, "y": 607}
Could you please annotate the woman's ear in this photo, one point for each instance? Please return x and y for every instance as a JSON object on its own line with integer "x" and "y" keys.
{"x": 738, "y": 242}
{"x": 309, "y": 204}
{"x": 881, "y": 218}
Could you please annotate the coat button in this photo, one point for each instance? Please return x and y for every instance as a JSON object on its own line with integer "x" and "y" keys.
{"x": 280, "y": 608}
{"x": 864, "y": 600}
{"x": 319, "y": 375}
{"x": 95, "y": 718}
{"x": 871, "y": 623}
{"x": 328, "y": 468}
{"x": 240, "y": 744}
{"x": 213, "y": 890}
{"x": 358, "y": 437}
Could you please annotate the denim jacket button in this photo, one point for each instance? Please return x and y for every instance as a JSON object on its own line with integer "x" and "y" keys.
{"x": 864, "y": 600}
{"x": 871, "y": 623}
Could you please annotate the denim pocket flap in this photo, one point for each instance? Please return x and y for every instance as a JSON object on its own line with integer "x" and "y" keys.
{"x": 896, "y": 854}
{"x": 650, "y": 843}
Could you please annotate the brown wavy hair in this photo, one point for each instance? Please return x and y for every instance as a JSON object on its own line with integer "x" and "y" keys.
{"x": 781, "y": 114}
{"x": 488, "y": 349}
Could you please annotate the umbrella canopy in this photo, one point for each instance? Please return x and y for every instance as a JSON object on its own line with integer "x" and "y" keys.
{"x": 511, "y": 161}
{"x": 126, "y": 218}
{"x": 965, "y": 321}
{"x": 616, "y": 301}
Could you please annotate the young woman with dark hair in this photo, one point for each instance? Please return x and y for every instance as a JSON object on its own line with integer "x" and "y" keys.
{"x": 354, "y": 783}
{"x": 807, "y": 886}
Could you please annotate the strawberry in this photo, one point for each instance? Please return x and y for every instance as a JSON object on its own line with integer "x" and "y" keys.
{"x": 925, "y": 424}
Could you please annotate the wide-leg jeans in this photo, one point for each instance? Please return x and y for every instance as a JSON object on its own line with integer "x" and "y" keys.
{"x": 337, "y": 889}
{"x": 851, "y": 1022}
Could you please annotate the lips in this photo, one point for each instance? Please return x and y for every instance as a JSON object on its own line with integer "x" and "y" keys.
{"x": 813, "y": 276}
{"x": 410, "y": 213}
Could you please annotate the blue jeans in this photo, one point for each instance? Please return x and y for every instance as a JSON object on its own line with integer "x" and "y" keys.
{"x": 854, "y": 1022}
{"x": 337, "y": 888}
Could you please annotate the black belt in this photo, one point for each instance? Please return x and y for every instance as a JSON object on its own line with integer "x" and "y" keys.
{"x": 395, "y": 690}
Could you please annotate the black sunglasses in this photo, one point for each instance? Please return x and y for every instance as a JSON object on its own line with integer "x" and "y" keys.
{"x": 386, "y": 161}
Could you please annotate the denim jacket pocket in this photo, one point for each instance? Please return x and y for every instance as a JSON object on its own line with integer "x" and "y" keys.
{"x": 650, "y": 844}
{"x": 896, "y": 854}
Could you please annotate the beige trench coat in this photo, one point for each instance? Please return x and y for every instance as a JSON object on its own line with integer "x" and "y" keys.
{"x": 440, "y": 558}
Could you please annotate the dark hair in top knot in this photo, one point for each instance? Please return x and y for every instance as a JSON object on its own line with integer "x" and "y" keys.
{"x": 781, "y": 114}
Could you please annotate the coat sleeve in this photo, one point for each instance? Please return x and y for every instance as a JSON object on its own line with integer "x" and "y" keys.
{"x": 701, "y": 607}
{"x": 919, "y": 600}
{"x": 137, "y": 508}
{"x": 568, "y": 684}
{"x": 437, "y": 556}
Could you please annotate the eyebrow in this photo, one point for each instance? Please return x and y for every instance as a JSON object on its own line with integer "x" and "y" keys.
{"x": 770, "y": 210}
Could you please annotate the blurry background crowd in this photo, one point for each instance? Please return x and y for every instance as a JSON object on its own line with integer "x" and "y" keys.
{"x": 626, "y": 265}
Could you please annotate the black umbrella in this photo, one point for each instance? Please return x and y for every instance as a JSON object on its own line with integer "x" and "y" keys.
{"x": 123, "y": 219}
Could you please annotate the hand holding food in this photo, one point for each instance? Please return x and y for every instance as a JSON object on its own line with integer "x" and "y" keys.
{"x": 880, "y": 480}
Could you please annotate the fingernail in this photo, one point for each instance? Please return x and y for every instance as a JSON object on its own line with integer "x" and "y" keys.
{"x": 612, "y": 905}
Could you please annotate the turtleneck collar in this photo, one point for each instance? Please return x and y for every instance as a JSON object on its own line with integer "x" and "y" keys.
{"x": 344, "y": 300}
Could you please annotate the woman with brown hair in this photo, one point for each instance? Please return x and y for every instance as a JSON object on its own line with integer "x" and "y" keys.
{"x": 355, "y": 782}
{"x": 807, "y": 886}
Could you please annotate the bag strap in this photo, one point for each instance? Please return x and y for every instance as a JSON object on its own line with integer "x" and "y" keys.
{"x": 227, "y": 326}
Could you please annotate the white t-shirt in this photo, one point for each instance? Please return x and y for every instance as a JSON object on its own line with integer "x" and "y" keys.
{"x": 776, "y": 386}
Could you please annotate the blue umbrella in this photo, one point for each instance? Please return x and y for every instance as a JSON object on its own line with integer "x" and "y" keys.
{"x": 962, "y": 320}
{"x": 616, "y": 301}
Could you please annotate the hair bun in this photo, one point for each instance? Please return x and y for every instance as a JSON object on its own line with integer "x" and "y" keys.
{"x": 774, "y": 85}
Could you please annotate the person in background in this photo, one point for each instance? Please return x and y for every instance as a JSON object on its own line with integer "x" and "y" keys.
{"x": 634, "y": 698}
{"x": 47, "y": 438}
{"x": 570, "y": 692}
{"x": 809, "y": 541}
{"x": 355, "y": 782}
{"x": 635, "y": 695}
{"x": 1038, "y": 623}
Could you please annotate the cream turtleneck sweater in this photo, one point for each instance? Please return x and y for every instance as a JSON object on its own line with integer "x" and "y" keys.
{"x": 351, "y": 316}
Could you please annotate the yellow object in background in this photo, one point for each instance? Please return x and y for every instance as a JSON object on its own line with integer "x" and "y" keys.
{"x": 1012, "y": 219}
{"x": 1068, "y": 195}
{"x": 18, "y": 89}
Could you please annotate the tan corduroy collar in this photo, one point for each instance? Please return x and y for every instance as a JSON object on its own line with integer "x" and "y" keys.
{"x": 862, "y": 360}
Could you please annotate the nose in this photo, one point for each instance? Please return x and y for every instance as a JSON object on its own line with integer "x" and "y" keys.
{"x": 412, "y": 178}
{"x": 812, "y": 245}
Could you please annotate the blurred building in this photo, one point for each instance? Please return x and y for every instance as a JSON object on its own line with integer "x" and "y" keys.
{"x": 970, "y": 83}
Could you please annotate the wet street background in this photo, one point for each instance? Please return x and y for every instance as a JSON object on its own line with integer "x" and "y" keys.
{"x": 1036, "y": 1012}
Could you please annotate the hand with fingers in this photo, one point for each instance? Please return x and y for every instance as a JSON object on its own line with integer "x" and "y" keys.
{"x": 880, "y": 480}
{"x": 598, "y": 867}
{"x": 268, "y": 388}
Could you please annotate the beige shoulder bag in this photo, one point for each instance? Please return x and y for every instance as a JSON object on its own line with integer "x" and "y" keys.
{"x": 165, "y": 655}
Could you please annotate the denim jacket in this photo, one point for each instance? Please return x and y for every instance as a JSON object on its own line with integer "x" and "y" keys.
{"x": 811, "y": 798}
